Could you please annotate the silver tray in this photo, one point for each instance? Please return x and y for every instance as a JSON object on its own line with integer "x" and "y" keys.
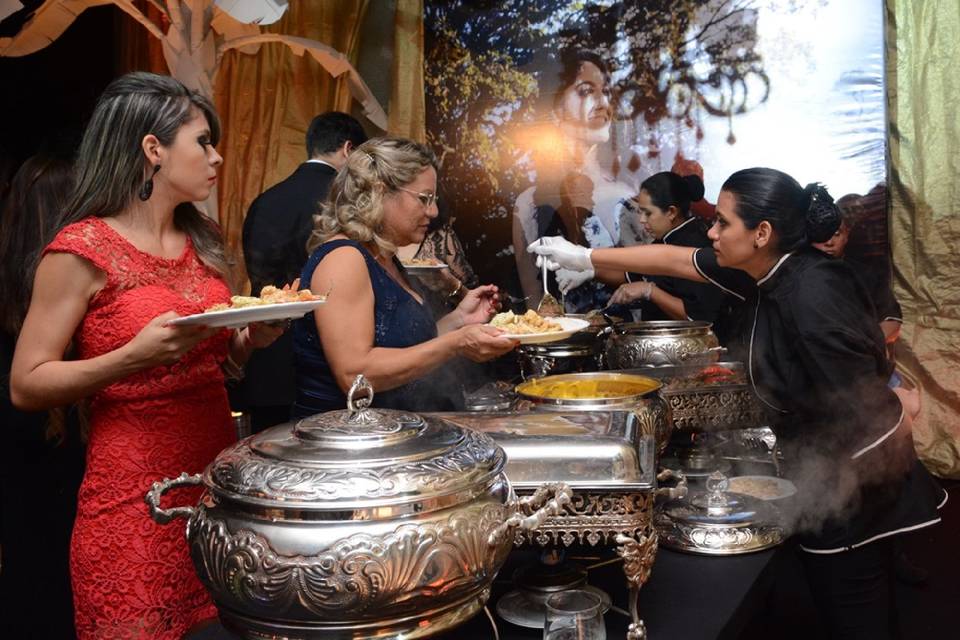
{"x": 591, "y": 451}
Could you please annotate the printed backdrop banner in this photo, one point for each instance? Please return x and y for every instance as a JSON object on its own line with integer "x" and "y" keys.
{"x": 567, "y": 106}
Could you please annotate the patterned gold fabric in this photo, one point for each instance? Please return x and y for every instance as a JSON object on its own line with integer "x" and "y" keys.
{"x": 406, "y": 110}
{"x": 267, "y": 100}
{"x": 923, "y": 84}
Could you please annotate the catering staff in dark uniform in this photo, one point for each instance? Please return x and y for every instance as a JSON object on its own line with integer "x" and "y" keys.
{"x": 816, "y": 359}
{"x": 889, "y": 314}
{"x": 664, "y": 207}
{"x": 275, "y": 234}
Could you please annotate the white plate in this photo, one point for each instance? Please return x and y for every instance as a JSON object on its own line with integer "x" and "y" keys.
{"x": 785, "y": 488}
{"x": 235, "y": 318}
{"x": 413, "y": 268}
{"x": 570, "y": 327}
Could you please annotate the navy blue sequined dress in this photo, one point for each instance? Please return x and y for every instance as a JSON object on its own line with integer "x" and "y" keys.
{"x": 401, "y": 321}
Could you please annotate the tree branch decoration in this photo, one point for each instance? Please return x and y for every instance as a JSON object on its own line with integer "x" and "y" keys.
{"x": 194, "y": 40}
{"x": 194, "y": 37}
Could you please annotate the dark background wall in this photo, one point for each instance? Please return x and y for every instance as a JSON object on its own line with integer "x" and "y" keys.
{"x": 49, "y": 95}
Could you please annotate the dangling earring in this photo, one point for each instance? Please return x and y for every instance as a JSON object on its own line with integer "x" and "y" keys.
{"x": 147, "y": 189}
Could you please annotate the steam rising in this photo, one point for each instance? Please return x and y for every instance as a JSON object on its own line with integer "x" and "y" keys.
{"x": 832, "y": 485}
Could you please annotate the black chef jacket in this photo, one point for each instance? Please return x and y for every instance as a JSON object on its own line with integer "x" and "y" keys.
{"x": 701, "y": 301}
{"x": 815, "y": 358}
{"x": 878, "y": 286}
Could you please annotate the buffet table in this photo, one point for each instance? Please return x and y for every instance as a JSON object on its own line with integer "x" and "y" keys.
{"x": 688, "y": 596}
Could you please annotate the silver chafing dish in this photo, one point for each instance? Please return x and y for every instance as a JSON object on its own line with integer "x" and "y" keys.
{"x": 660, "y": 342}
{"x": 567, "y": 356}
{"x": 602, "y": 391}
{"x": 698, "y": 406}
{"x": 607, "y": 458}
{"x": 355, "y": 524}
{"x": 582, "y": 352}
{"x": 719, "y": 522}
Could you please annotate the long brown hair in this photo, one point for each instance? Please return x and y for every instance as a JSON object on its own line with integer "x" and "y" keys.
{"x": 28, "y": 219}
{"x": 111, "y": 167}
{"x": 38, "y": 194}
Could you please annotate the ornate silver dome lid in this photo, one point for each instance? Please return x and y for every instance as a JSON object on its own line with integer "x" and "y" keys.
{"x": 718, "y": 522}
{"x": 354, "y": 458}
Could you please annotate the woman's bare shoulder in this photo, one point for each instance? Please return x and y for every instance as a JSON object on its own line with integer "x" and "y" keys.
{"x": 68, "y": 273}
{"x": 343, "y": 267}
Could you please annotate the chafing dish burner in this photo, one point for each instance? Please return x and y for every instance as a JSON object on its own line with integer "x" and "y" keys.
{"x": 525, "y": 606}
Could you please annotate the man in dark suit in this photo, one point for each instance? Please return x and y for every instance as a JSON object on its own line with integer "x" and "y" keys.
{"x": 275, "y": 234}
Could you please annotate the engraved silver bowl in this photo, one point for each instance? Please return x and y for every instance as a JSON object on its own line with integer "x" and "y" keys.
{"x": 718, "y": 522}
{"x": 659, "y": 343}
{"x": 699, "y": 407}
{"x": 354, "y": 524}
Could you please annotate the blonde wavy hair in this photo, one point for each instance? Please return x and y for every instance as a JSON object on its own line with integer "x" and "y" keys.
{"x": 354, "y": 206}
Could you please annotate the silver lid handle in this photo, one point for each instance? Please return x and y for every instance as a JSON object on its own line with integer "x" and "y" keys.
{"x": 363, "y": 386}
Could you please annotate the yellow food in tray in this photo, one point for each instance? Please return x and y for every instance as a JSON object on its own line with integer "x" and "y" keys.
{"x": 530, "y": 322}
{"x": 585, "y": 389}
{"x": 268, "y": 295}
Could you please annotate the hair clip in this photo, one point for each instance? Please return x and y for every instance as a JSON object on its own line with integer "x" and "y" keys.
{"x": 822, "y": 216}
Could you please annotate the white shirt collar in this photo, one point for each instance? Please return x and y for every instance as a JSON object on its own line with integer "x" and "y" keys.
{"x": 679, "y": 226}
{"x": 317, "y": 161}
{"x": 774, "y": 269}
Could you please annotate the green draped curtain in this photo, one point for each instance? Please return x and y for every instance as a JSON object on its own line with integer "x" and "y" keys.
{"x": 923, "y": 54}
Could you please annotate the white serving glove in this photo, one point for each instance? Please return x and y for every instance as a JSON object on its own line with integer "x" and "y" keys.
{"x": 561, "y": 253}
{"x": 568, "y": 279}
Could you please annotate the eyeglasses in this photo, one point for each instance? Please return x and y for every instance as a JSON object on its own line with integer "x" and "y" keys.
{"x": 425, "y": 198}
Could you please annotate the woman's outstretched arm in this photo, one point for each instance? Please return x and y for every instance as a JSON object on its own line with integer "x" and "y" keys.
{"x": 654, "y": 260}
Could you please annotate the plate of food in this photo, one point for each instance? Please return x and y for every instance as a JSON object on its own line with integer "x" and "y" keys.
{"x": 422, "y": 264}
{"x": 532, "y": 328}
{"x": 763, "y": 487}
{"x": 271, "y": 305}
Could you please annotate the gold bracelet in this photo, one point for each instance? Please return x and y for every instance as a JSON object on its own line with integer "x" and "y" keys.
{"x": 453, "y": 294}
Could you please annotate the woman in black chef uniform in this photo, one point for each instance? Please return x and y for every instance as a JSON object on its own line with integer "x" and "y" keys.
{"x": 663, "y": 206}
{"x": 816, "y": 359}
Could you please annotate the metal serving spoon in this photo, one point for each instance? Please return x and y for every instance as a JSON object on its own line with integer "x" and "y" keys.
{"x": 549, "y": 306}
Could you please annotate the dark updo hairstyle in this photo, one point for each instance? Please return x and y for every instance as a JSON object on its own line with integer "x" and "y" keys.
{"x": 668, "y": 189}
{"x": 799, "y": 215}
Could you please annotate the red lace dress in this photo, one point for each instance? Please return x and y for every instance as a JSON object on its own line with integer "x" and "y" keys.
{"x": 133, "y": 578}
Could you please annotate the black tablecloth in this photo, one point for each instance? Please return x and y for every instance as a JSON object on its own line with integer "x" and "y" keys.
{"x": 688, "y": 597}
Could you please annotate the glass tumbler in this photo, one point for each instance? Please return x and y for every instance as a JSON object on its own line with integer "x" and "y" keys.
{"x": 574, "y": 615}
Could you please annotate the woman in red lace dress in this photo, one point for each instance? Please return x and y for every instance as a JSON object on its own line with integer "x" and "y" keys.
{"x": 131, "y": 255}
